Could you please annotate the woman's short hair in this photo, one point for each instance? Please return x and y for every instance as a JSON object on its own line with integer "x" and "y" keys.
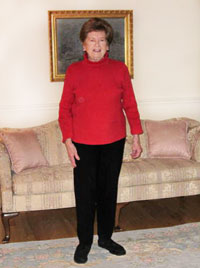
{"x": 96, "y": 24}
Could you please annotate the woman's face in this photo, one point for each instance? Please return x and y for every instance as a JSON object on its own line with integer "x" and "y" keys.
{"x": 95, "y": 45}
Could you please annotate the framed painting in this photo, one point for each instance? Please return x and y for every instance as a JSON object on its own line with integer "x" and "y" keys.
{"x": 66, "y": 48}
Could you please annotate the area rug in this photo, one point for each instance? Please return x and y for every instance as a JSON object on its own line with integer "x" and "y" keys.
{"x": 171, "y": 247}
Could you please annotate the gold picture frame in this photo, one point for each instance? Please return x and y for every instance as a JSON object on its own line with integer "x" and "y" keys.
{"x": 64, "y": 44}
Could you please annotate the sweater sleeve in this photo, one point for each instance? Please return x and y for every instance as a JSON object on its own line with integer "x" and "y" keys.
{"x": 130, "y": 104}
{"x": 65, "y": 107}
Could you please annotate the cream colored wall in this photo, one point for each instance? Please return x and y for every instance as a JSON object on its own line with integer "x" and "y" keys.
{"x": 166, "y": 58}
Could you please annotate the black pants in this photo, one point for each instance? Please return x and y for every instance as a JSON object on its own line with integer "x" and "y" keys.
{"x": 95, "y": 183}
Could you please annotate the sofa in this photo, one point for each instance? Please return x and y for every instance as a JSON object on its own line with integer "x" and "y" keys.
{"x": 35, "y": 172}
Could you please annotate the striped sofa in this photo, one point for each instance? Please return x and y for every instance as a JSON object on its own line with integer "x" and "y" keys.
{"x": 51, "y": 187}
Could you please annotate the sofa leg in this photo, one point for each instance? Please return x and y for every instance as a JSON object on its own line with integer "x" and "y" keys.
{"x": 117, "y": 227}
{"x": 5, "y": 219}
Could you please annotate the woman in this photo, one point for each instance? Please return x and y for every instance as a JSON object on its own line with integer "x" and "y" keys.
{"x": 96, "y": 91}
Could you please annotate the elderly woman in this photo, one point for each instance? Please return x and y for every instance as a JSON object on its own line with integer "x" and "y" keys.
{"x": 96, "y": 92}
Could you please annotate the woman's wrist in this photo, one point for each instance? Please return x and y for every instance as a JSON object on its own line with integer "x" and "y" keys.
{"x": 68, "y": 140}
{"x": 136, "y": 138}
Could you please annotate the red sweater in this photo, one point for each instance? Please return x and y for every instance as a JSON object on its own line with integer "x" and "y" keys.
{"x": 93, "y": 99}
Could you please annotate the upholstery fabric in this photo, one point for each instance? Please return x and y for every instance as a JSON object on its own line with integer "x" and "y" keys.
{"x": 168, "y": 139}
{"x": 158, "y": 170}
{"x": 51, "y": 187}
{"x": 42, "y": 201}
{"x": 5, "y": 171}
{"x": 44, "y": 180}
{"x": 24, "y": 150}
{"x": 5, "y": 176}
{"x": 142, "y": 179}
{"x": 50, "y": 139}
{"x": 125, "y": 194}
{"x": 57, "y": 179}
{"x": 128, "y": 145}
{"x": 196, "y": 153}
{"x": 157, "y": 191}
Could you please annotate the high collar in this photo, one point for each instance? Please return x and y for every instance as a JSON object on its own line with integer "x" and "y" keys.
{"x": 95, "y": 63}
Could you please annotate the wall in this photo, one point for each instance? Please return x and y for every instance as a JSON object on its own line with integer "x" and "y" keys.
{"x": 166, "y": 58}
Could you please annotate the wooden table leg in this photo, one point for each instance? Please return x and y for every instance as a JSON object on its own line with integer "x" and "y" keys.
{"x": 117, "y": 227}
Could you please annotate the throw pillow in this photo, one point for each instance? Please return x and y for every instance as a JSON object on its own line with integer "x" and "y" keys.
{"x": 167, "y": 139}
{"x": 24, "y": 150}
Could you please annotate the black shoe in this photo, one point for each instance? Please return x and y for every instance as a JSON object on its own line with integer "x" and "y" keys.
{"x": 112, "y": 247}
{"x": 81, "y": 253}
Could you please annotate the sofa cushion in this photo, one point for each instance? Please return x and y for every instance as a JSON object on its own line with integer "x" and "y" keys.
{"x": 168, "y": 139}
{"x": 158, "y": 170}
{"x": 24, "y": 149}
{"x": 52, "y": 179}
{"x": 139, "y": 172}
{"x": 50, "y": 139}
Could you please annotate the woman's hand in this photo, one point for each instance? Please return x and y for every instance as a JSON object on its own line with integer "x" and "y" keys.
{"x": 72, "y": 152}
{"x": 136, "y": 147}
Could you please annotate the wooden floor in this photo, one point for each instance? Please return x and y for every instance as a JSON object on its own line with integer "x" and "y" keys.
{"x": 53, "y": 224}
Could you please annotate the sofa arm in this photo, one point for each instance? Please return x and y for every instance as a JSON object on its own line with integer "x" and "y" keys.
{"x": 196, "y": 152}
{"x": 5, "y": 180}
